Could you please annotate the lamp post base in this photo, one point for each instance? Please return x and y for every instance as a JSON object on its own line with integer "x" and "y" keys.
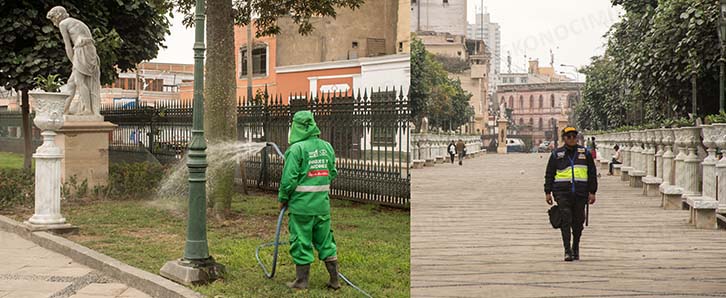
{"x": 192, "y": 272}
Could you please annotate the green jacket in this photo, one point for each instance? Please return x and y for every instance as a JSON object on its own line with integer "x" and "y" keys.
{"x": 309, "y": 168}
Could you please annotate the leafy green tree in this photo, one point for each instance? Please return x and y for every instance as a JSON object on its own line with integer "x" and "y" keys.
{"x": 220, "y": 118}
{"x": 434, "y": 94}
{"x": 126, "y": 32}
{"x": 653, "y": 55}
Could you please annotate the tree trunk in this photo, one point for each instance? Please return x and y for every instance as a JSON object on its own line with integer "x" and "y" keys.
{"x": 27, "y": 131}
{"x": 220, "y": 113}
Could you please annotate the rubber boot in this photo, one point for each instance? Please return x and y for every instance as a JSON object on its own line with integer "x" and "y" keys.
{"x": 332, "y": 267}
{"x": 301, "y": 280}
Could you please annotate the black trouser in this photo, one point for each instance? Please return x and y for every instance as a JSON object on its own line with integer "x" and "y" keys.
{"x": 572, "y": 207}
{"x": 613, "y": 162}
{"x": 452, "y": 157}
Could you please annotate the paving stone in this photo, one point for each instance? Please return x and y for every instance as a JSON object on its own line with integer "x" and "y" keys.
{"x": 481, "y": 230}
{"x": 133, "y": 293}
{"x": 109, "y": 289}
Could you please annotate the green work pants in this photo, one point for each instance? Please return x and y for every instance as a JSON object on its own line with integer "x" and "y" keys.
{"x": 308, "y": 231}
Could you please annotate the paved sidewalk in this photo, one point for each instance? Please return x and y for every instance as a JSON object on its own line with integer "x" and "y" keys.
{"x": 481, "y": 230}
{"x": 29, "y": 271}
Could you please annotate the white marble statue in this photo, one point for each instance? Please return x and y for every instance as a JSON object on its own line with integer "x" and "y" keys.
{"x": 424, "y": 124}
{"x": 86, "y": 74}
{"x": 502, "y": 111}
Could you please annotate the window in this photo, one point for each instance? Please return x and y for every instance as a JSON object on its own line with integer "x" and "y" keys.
{"x": 541, "y": 101}
{"x": 531, "y": 101}
{"x": 521, "y": 102}
{"x": 552, "y": 101}
{"x": 259, "y": 60}
{"x": 531, "y": 122}
{"x": 540, "y": 123}
{"x": 354, "y": 45}
{"x": 521, "y": 121}
{"x": 511, "y": 102}
{"x": 375, "y": 47}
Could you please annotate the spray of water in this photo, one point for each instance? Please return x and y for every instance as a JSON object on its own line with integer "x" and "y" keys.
{"x": 174, "y": 189}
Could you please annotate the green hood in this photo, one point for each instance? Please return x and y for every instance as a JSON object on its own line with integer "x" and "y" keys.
{"x": 303, "y": 127}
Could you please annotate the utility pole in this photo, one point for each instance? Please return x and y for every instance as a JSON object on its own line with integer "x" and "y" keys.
{"x": 196, "y": 266}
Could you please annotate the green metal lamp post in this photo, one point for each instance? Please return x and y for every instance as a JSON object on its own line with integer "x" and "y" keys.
{"x": 722, "y": 38}
{"x": 197, "y": 266}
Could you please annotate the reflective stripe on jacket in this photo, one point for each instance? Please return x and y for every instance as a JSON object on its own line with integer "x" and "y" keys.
{"x": 571, "y": 170}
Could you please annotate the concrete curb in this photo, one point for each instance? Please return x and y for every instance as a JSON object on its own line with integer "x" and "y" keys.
{"x": 149, "y": 283}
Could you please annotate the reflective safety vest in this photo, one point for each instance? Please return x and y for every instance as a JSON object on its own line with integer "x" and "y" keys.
{"x": 571, "y": 174}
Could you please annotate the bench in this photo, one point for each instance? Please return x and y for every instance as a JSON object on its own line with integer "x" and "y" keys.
{"x": 616, "y": 169}
{"x": 651, "y": 186}
{"x": 429, "y": 162}
{"x": 624, "y": 173}
{"x": 672, "y": 198}
{"x": 702, "y": 212}
{"x": 418, "y": 163}
{"x": 636, "y": 177}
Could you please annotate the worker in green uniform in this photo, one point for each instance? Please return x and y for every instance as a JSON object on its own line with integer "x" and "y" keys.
{"x": 308, "y": 171}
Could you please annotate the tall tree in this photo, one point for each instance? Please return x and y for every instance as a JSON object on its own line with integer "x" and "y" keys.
{"x": 652, "y": 55}
{"x": 219, "y": 95}
{"x": 126, "y": 32}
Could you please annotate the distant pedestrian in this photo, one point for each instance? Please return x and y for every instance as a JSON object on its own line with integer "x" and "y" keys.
{"x": 617, "y": 159}
{"x": 452, "y": 150}
{"x": 460, "y": 149}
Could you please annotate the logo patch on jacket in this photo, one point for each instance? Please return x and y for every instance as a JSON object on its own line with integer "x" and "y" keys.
{"x": 318, "y": 173}
{"x": 581, "y": 150}
{"x": 581, "y": 156}
{"x": 560, "y": 154}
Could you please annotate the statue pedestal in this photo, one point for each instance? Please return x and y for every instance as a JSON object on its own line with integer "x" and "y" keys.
{"x": 85, "y": 144}
{"x": 502, "y": 142}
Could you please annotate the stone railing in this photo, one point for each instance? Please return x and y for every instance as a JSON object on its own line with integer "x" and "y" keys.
{"x": 429, "y": 149}
{"x": 664, "y": 162}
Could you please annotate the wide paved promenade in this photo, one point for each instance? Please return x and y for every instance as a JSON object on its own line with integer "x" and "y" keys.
{"x": 481, "y": 230}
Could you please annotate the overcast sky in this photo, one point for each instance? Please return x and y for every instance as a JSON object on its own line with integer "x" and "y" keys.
{"x": 572, "y": 29}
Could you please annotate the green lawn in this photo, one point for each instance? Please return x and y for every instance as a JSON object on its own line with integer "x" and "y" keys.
{"x": 11, "y": 160}
{"x": 373, "y": 245}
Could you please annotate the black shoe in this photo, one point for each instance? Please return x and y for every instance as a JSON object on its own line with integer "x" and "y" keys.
{"x": 576, "y": 254}
{"x": 568, "y": 256}
{"x": 301, "y": 280}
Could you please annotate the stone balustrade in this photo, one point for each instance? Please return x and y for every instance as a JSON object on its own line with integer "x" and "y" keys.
{"x": 429, "y": 148}
{"x": 665, "y": 163}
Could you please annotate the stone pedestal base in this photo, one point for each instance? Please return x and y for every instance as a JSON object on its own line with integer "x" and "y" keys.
{"x": 185, "y": 273}
{"x": 60, "y": 229}
{"x": 418, "y": 163}
{"x": 702, "y": 212}
{"x": 429, "y": 162}
{"x": 85, "y": 144}
{"x": 439, "y": 159}
{"x": 635, "y": 179}
{"x": 616, "y": 170}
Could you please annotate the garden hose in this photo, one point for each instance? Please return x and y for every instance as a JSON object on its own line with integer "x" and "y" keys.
{"x": 270, "y": 274}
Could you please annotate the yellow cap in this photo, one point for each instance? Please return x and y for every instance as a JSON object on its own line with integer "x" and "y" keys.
{"x": 569, "y": 129}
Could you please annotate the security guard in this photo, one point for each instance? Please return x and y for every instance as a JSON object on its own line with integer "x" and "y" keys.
{"x": 572, "y": 177}
{"x": 309, "y": 169}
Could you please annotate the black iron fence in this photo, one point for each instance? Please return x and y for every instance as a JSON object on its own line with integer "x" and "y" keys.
{"x": 369, "y": 131}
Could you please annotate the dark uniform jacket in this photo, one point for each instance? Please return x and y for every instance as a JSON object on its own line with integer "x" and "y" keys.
{"x": 571, "y": 170}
